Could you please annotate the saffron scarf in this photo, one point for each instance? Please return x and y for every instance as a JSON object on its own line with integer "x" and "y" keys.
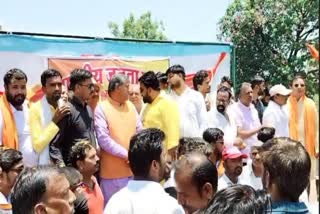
{"x": 309, "y": 124}
{"x": 9, "y": 130}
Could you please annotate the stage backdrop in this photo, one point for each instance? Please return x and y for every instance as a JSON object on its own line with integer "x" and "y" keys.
{"x": 33, "y": 54}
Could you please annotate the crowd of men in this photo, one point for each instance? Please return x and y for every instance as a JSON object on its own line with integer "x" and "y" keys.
{"x": 156, "y": 147}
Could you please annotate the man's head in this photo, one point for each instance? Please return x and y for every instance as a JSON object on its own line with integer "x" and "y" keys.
{"x": 162, "y": 77}
{"x": 49, "y": 188}
{"x": 240, "y": 199}
{"x": 193, "y": 144}
{"x": 245, "y": 94}
{"x": 233, "y": 161}
{"x": 214, "y": 136}
{"x": 149, "y": 84}
{"x": 10, "y": 167}
{"x": 258, "y": 84}
{"x": 286, "y": 168}
{"x": 83, "y": 156}
{"x": 279, "y": 94}
{"x": 94, "y": 95}
{"x": 298, "y": 86}
{"x": 51, "y": 81}
{"x": 265, "y": 97}
{"x": 223, "y": 99}
{"x": 201, "y": 82}
{"x": 81, "y": 83}
{"x": 226, "y": 81}
{"x": 134, "y": 94}
{"x": 196, "y": 181}
{"x": 118, "y": 88}
{"x": 255, "y": 155}
{"x": 15, "y": 84}
{"x": 266, "y": 133}
{"x": 74, "y": 177}
{"x": 147, "y": 157}
{"x": 176, "y": 76}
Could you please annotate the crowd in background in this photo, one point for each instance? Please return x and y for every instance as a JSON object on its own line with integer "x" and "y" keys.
{"x": 159, "y": 146}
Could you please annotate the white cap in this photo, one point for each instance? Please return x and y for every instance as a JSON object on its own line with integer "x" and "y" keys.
{"x": 279, "y": 89}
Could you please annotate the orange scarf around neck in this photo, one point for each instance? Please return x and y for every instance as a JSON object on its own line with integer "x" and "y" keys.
{"x": 309, "y": 118}
{"x": 9, "y": 130}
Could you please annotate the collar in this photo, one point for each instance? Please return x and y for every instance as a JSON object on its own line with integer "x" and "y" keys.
{"x": 285, "y": 206}
{"x": 248, "y": 108}
{"x": 115, "y": 103}
{"x": 76, "y": 101}
{"x": 226, "y": 178}
{"x": 139, "y": 185}
{"x": 3, "y": 199}
{"x": 14, "y": 110}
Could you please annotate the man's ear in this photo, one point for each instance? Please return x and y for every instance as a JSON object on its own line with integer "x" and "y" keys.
{"x": 40, "y": 209}
{"x": 79, "y": 164}
{"x": 207, "y": 191}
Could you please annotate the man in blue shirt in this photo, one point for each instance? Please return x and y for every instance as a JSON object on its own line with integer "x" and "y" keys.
{"x": 286, "y": 174}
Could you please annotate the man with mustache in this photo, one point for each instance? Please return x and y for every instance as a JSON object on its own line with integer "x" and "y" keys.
{"x": 258, "y": 86}
{"x": 84, "y": 158}
{"x": 14, "y": 114}
{"x": 160, "y": 111}
{"x": 135, "y": 97}
{"x": 232, "y": 158}
{"x": 218, "y": 117}
{"x": 46, "y": 114}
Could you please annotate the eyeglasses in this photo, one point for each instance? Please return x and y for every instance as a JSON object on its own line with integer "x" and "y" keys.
{"x": 90, "y": 86}
{"x": 297, "y": 85}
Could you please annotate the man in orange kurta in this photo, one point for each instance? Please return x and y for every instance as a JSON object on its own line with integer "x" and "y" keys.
{"x": 116, "y": 121}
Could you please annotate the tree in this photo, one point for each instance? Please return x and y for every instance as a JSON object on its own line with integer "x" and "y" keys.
{"x": 142, "y": 28}
{"x": 270, "y": 38}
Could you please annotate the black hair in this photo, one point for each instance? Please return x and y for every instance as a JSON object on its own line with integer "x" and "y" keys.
{"x": 240, "y": 199}
{"x": 256, "y": 80}
{"x": 288, "y": 164}
{"x": 211, "y": 135}
{"x": 226, "y": 79}
{"x": 202, "y": 170}
{"x": 266, "y": 133}
{"x": 176, "y": 69}
{"x": 78, "y": 152}
{"x": 9, "y": 158}
{"x": 225, "y": 89}
{"x": 47, "y": 74}
{"x": 145, "y": 147}
{"x": 30, "y": 188}
{"x": 150, "y": 80}
{"x": 193, "y": 144}
{"x": 78, "y": 76}
{"x": 14, "y": 73}
{"x": 198, "y": 78}
{"x": 162, "y": 77}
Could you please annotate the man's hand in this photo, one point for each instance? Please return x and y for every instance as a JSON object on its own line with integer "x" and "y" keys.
{"x": 60, "y": 113}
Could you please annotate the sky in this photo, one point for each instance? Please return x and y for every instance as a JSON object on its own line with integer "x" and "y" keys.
{"x": 183, "y": 20}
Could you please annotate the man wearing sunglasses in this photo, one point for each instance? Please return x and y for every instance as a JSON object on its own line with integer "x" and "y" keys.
{"x": 79, "y": 123}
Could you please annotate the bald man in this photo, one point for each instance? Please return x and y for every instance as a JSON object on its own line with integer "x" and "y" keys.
{"x": 196, "y": 182}
{"x": 135, "y": 97}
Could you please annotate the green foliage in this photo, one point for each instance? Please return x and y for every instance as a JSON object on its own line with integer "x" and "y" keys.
{"x": 142, "y": 28}
{"x": 270, "y": 39}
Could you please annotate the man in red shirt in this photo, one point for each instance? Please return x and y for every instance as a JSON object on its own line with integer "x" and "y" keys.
{"x": 84, "y": 157}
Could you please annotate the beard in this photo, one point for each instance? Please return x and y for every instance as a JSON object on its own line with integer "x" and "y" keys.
{"x": 175, "y": 85}
{"x": 221, "y": 108}
{"x": 56, "y": 96}
{"x": 147, "y": 99}
{"x": 16, "y": 100}
{"x": 238, "y": 171}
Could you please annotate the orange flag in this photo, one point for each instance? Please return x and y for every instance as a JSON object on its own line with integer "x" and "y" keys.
{"x": 314, "y": 52}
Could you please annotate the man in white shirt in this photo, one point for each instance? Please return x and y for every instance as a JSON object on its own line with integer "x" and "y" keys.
{"x": 218, "y": 116}
{"x": 246, "y": 117}
{"x": 192, "y": 108}
{"x": 276, "y": 114}
{"x": 144, "y": 194}
{"x": 252, "y": 173}
{"x": 14, "y": 115}
{"x": 232, "y": 158}
{"x": 201, "y": 83}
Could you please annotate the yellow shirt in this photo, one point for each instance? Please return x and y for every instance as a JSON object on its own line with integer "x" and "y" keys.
{"x": 163, "y": 114}
{"x": 41, "y": 136}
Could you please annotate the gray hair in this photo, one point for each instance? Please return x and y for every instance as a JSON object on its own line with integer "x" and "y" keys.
{"x": 116, "y": 81}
